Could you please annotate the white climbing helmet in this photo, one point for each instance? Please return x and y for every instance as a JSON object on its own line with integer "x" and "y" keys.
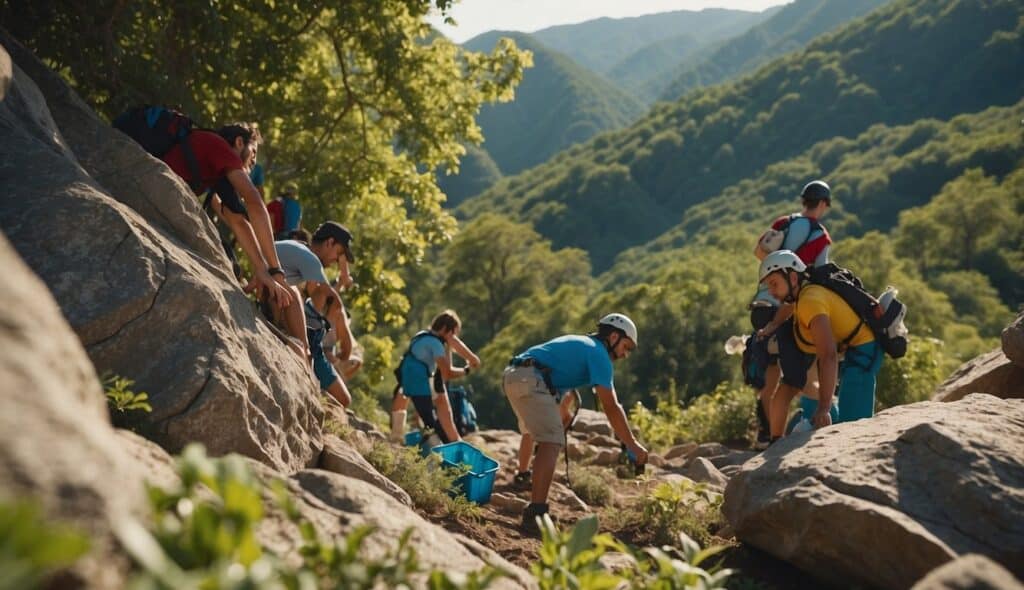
{"x": 780, "y": 260}
{"x": 621, "y": 322}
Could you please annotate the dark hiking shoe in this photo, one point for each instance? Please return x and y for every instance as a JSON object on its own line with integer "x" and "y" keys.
{"x": 530, "y": 514}
{"x": 523, "y": 481}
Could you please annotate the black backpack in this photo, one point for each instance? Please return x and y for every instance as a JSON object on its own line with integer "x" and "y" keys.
{"x": 885, "y": 323}
{"x": 158, "y": 129}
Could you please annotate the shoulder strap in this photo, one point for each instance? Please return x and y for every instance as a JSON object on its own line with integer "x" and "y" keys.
{"x": 416, "y": 338}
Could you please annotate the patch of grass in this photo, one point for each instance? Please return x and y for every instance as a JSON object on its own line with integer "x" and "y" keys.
{"x": 593, "y": 485}
{"x": 722, "y": 415}
{"x": 670, "y": 509}
{"x": 423, "y": 478}
{"x": 571, "y": 559}
{"x": 368, "y": 407}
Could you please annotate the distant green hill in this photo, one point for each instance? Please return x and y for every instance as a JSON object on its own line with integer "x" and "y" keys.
{"x": 477, "y": 173}
{"x": 789, "y": 29}
{"x": 557, "y": 104}
{"x": 908, "y": 60}
{"x": 874, "y": 177}
{"x": 640, "y": 71}
{"x": 603, "y": 43}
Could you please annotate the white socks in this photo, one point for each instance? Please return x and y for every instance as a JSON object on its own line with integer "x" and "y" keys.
{"x": 398, "y": 426}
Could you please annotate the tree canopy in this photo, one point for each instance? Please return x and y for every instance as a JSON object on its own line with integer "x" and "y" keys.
{"x": 358, "y": 102}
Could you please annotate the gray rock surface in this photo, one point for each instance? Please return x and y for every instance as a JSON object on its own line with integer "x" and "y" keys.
{"x": 1013, "y": 341}
{"x": 592, "y": 422}
{"x": 731, "y": 457}
{"x": 336, "y": 504}
{"x": 57, "y": 448}
{"x": 882, "y": 502}
{"x": 989, "y": 373}
{"x": 340, "y": 457}
{"x": 702, "y": 470}
{"x": 684, "y": 451}
{"x": 970, "y": 572}
{"x": 137, "y": 270}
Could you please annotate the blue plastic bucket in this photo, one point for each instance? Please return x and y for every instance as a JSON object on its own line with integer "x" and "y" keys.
{"x": 479, "y": 482}
{"x": 413, "y": 438}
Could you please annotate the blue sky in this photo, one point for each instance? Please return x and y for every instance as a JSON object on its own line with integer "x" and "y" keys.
{"x": 477, "y": 16}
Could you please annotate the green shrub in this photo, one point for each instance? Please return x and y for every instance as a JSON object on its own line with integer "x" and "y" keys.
{"x": 572, "y": 560}
{"x": 593, "y": 485}
{"x": 31, "y": 548}
{"x": 204, "y": 538}
{"x": 671, "y": 509}
{"x": 423, "y": 478}
{"x": 368, "y": 407}
{"x": 722, "y": 415}
{"x": 121, "y": 399}
{"x": 912, "y": 378}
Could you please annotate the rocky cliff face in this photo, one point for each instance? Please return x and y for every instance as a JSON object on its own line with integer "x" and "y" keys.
{"x": 137, "y": 270}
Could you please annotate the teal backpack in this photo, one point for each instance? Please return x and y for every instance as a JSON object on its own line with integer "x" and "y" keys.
{"x": 411, "y": 369}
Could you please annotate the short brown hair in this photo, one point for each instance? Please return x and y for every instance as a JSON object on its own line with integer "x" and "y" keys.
{"x": 447, "y": 319}
{"x": 249, "y": 132}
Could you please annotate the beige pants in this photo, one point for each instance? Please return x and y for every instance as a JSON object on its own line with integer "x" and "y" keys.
{"x": 533, "y": 404}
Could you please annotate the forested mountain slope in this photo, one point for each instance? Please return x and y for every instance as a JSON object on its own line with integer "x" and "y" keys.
{"x": 557, "y": 104}
{"x": 876, "y": 177}
{"x": 789, "y": 29}
{"x": 477, "y": 173}
{"x": 603, "y": 43}
{"x": 908, "y": 60}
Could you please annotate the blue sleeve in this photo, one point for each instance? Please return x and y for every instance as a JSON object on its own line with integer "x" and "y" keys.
{"x": 600, "y": 368}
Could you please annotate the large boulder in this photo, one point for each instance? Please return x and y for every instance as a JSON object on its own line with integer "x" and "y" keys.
{"x": 137, "y": 271}
{"x": 1013, "y": 341}
{"x": 989, "y": 373}
{"x": 882, "y": 502}
{"x": 970, "y": 572}
{"x": 56, "y": 444}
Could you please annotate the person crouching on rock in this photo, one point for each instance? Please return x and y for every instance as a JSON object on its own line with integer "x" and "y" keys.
{"x": 824, "y": 326}
{"x": 536, "y": 381}
{"x": 422, "y": 372}
{"x": 308, "y": 322}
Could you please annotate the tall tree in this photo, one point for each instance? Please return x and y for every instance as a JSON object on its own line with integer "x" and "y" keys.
{"x": 494, "y": 262}
{"x": 359, "y": 101}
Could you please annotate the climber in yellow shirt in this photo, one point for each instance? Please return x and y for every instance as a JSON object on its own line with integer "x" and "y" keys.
{"x": 825, "y": 326}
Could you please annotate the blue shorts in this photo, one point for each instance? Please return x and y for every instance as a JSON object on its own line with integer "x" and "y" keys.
{"x": 324, "y": 370}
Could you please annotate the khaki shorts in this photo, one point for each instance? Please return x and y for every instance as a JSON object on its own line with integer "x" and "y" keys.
{"x": 533, "y": 404}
